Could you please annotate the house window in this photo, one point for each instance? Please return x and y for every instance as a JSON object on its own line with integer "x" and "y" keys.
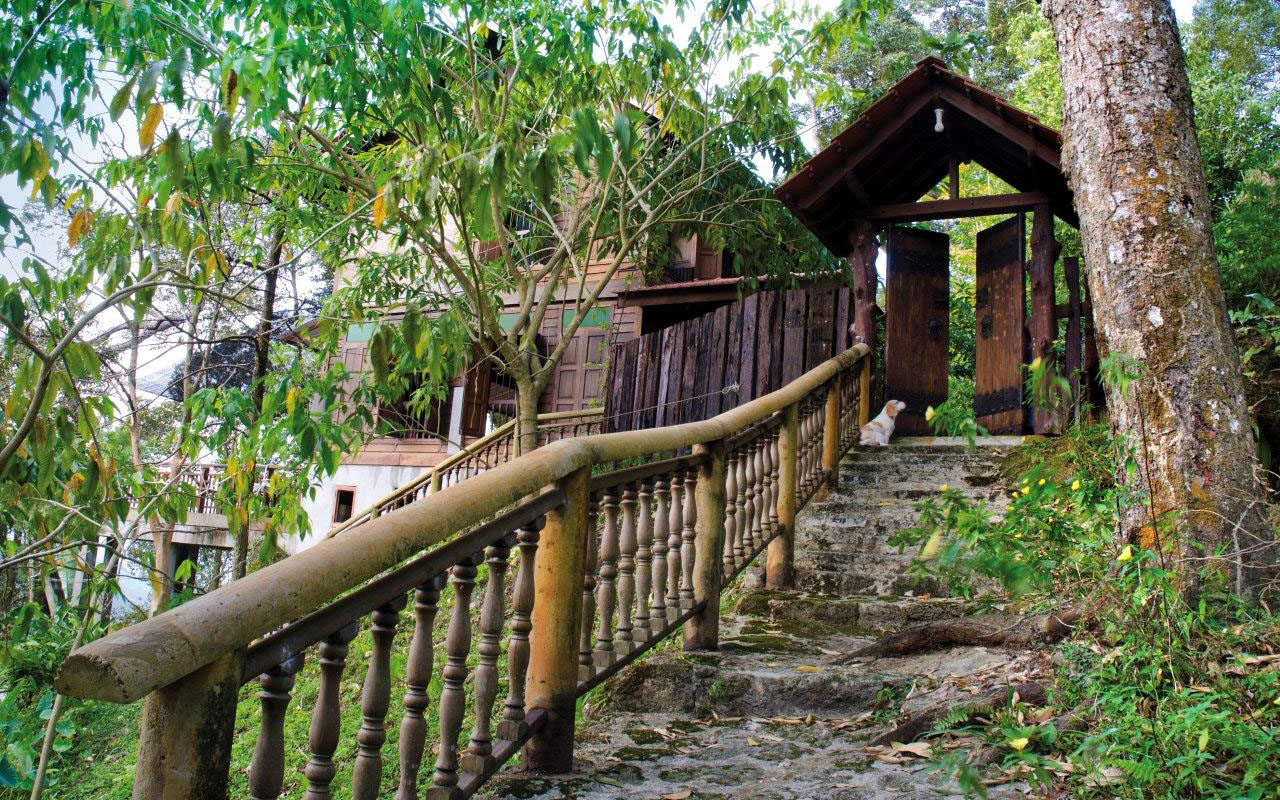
{"x": 417, "y": 421}
{"x": 344, "y": 503}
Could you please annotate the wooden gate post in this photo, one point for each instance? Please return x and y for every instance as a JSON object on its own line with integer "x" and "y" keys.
{"x": 187, "y": 727}
{"x": 780, "y": 566}
{"x": 552, "y": 682}
{"x": 1044, "y": 323}
{"x": 864, "y": 391}
{"x": 831, "y": 433}
{"x": 702, "y": 632}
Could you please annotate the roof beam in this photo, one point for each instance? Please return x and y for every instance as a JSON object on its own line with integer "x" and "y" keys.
{"x": 952, "y": 209}
{"x": 1024, "y": 139}
{"x": 882, "y": 135}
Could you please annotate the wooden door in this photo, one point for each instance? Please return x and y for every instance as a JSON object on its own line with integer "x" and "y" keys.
{"x": 916, "y": 329}
{"x": 1001, "y": 309}
{"x": 579, "y": 374}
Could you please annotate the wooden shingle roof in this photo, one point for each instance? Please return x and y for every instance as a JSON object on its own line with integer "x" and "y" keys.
{"x": 892, "y": 154}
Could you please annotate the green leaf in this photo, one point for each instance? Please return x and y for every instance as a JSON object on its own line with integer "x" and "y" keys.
{"x": 380, "y": 355}
{"x": 9, "y": 777}
{"x": 623, "y": 133}
{"x": 221, "y": 133}
{"x": 121, "y": 99}
{"x": 147, "y": 86}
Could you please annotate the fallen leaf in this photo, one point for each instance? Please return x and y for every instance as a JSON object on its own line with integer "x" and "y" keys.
{"x": 917, "y": 749}
{"x": 808, "y": 668}
{"x": 752, "y": 742}
{"x": 680, "y": 795}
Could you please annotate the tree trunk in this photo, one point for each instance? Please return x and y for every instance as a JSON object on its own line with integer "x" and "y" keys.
{"x": 527, "y": 394}
{"x": 1133, "y": 161}
{"x": 261, "y": 361}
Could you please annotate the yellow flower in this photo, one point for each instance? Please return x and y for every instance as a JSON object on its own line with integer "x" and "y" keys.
{"x": 1126, "y": 554}
{"x": 1075, "y": 485}
{"x": 944, "y": 487}
{"x": 1041, "y": 482}
{"x": 1035, "y": 365}
{"x": 1026, "y": 490}
{"x": 1019, "y": 743}
{"x": 929, "y": 414}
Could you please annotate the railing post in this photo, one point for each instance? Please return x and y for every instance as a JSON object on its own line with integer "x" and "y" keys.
{"x": 702, "y": 632}
{"x": 185, "y": 747}
{"x": 780, "y": 566}
{"x": 864, "y": 391}
{"x": 552, "y": 682}
{"x": 831, "y": 433}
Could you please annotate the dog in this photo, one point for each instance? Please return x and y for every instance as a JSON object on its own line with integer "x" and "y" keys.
{"x": 879, "y": 430}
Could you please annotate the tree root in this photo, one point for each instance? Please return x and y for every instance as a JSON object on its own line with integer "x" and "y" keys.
{"x": 1028, "y": 692}
{"x": 994, "y": 630}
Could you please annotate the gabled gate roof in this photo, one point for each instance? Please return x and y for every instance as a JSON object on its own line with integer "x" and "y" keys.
{"x": 892, "y": 154}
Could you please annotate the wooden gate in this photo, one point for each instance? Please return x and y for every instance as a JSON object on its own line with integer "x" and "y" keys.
{"x": 917, "y": 312}
{"x": 1001, "y": 311}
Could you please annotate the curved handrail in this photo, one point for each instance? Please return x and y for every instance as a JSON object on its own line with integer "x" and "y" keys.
{"x": 428, "y": 476}
{"x": 135, "y": 661}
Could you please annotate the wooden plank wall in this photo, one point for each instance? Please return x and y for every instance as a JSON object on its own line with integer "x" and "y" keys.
{"x": 755, "y": 345}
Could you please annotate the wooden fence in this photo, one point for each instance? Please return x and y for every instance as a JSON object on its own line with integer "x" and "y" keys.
{"x": 698, "y": 368}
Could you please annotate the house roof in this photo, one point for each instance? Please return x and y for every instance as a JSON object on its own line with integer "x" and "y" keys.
{"x": 892, "y": 154}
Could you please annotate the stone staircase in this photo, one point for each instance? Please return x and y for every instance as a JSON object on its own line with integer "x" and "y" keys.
{"x": 842, "y": 539}
{"x": 772, "y": 714}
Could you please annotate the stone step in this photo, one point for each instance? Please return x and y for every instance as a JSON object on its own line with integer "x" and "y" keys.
{"x": 785, "y": 664}
{"x": 887, "y": 455}
{"x": 901, "y": 496}
{"x": 877, "y": 574}
{"x": 769, "y": 715}
{"x": 956, "y": 477}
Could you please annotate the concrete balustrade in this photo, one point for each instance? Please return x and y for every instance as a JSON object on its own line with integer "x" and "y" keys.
{"x": 608, "y": 564}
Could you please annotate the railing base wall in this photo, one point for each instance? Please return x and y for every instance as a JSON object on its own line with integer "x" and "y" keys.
{"x": 187, "y": 729}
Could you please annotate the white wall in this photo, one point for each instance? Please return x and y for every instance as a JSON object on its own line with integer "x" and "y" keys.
{"x": 371, "y": 483}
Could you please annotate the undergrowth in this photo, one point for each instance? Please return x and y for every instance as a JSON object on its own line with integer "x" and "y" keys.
{"x": 1157, "y": 696}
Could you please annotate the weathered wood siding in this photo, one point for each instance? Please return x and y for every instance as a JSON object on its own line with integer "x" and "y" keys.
{"x": 703, "y": 366}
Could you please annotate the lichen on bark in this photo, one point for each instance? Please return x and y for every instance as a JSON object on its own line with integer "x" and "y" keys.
{"x": 1133, "y": 162}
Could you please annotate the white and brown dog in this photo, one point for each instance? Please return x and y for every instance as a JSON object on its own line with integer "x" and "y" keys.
{"x": 879, "y": 430}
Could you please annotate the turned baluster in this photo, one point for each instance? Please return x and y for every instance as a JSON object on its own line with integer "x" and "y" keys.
{"x": 453, "y": 698}
{"x": 375, "y": 697}
{"x": 644, "y": 561}
{"x": 730, "y": 557}
{"x": 661, "y": 517}
{"x": 479, "y": 757}
{"x": 326, "y": 719}
{"x": 266, "y": 770}
{"x": 674, "y": 525}
{"x": 747, "y": 476}
{"x": 626, "y": 572}
{"x": 741, "y": 547}
{"x": 766, "y": 485}
{"x": 802, "y": 449}
{"x": 688, "y": 536}
{"x": 417, "y": 676}
{"x": 815, "y": 453}
{"x": 607, "y": 592}
{"x": 775, "y": 476}
{"x": 513, "y": 725}
{"x": 586, "y": 662}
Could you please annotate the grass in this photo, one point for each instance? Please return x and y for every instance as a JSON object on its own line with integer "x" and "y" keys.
{"x": 101, "y": 764}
